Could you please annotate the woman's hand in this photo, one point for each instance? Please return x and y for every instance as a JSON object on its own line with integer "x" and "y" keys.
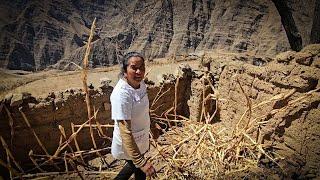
{"x": 148, "y": 169}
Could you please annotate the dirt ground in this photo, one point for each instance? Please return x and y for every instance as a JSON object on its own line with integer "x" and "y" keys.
{"x": 41, "y": 83}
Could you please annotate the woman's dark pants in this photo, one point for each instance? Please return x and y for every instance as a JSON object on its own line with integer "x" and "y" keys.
{"x": 128, "y": 170}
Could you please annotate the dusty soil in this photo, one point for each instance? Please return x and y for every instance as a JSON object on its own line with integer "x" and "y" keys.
{"x": 42, "y": 83}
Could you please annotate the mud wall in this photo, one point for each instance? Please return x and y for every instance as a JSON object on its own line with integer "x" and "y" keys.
{"x": 45, "y": 115}
{"x": 293, "y": 128}
{"x": 64, "y": 108}
{"x": 173, "y": 88}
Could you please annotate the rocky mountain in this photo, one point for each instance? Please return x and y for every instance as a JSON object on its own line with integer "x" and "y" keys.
{"x": 37, "y": 34}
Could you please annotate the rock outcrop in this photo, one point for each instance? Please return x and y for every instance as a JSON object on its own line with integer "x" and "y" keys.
{"x": 37, "y": 35}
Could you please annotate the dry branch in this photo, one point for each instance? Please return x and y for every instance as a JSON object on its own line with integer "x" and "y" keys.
{"x": 176, "y": 97}
{"x": 76, "y": 142}
{"x": 34, "y": 161}
{"x": 33, "y": 132}
{"x": 10, "y": 124}
{"x": 13, "y": 171}
{"x": 84, "y": 79}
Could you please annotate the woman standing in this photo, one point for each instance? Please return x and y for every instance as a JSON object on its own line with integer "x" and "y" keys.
{"x": 130, "y": 111}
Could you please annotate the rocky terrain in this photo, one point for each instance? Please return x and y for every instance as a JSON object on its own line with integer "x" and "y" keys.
{"x": 37, "y": 35}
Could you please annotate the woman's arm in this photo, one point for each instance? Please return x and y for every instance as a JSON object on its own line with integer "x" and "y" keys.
{"x": 129, "y": 143}
{"x": 132, "y": 149}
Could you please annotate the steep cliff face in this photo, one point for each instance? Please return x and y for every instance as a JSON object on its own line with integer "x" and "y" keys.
{"x": 38, "y": 35}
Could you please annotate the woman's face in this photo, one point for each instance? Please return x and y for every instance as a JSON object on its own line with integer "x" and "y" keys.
{"x": 135, "y": 71}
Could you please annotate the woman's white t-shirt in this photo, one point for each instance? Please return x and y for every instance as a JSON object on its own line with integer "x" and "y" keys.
{"x": 131, "y": 104}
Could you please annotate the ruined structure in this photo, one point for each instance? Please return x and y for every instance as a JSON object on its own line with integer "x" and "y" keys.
{"x": 280, "y": 93}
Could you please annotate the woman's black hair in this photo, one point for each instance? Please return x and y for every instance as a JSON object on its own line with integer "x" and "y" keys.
{"x": 125, "y": 61}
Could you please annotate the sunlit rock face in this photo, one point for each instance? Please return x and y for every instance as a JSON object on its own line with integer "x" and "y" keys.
{"x": 36, "y": 35}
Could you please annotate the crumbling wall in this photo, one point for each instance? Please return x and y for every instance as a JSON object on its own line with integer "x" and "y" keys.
{"x": 199, "y": 104}
{"x": 45, "y": 115}
{"x": 64, "y": 108}
{"x": 288, "y": 123}
{"x": 172, "y": 93}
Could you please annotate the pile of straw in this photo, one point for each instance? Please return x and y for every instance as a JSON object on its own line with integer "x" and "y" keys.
{"x": 202, "y": 150}
{"x": 198, "y": 150}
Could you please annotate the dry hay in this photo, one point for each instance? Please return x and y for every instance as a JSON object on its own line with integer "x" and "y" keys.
{"x": 201, "y": 150}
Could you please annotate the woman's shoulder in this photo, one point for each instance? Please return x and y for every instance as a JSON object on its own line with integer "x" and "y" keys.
{"x": 121, "y": 89}
{"x": 121, "y": 85}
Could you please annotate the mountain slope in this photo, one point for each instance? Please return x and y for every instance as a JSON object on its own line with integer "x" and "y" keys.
{"x": 37, "y": 35}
